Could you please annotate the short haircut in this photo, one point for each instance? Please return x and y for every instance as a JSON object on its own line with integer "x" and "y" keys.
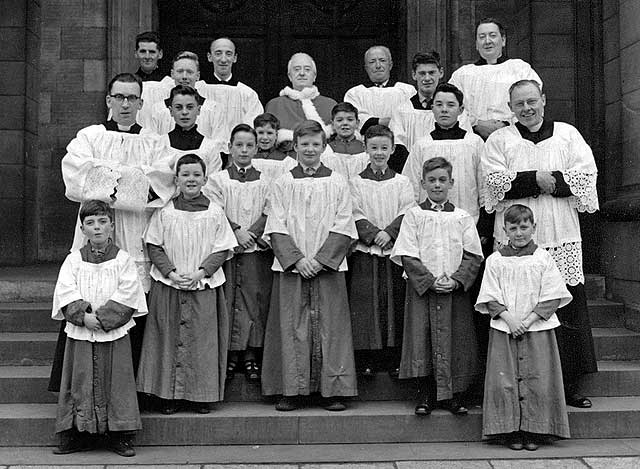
{"x": 343, "y": 107}
{"x": 243, "y": 128}
{"x": 91, "y": 208}
{"x": 266, "y": 119}
{"x": 125, "y": 78}
{"x": 449, "y": 88}
{"x": 378, "y": 131}
{"x": 190, "y": 158}
{"x": 521, "y": 83}
{"x": 185, "y": 54}
{"x": 423, "y": 58}
{"x": 297, "y": 54}
{"x": 383, "y": 48}
{"x": 148, "y": 36}
{"x": 184, "y": 90}
{"x": 308, "y": 127}
{"x": 491, "y": 20}
{"x": 437, "y": 163}
{"x": 518, "y": 213}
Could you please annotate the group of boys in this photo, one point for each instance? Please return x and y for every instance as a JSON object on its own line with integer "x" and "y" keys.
{"x": 325, "y": 237}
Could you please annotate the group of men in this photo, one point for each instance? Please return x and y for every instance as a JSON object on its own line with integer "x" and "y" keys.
{"x": 115, "y": 160}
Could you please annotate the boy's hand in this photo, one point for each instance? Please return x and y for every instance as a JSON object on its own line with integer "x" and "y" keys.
{"x": 444, "y": 284}
{"x": 305, "y": 267}
{"x": 193, "y": 278}
{"x": 516, "y": 326}
{"x": 317, "y": 267}
{"x": 180, "y": 280}
{"x": 91, "y": 322}
{"x": 382, "y": 239}
{"x": 245, "y": 238}
{"x": 530, "y": 319}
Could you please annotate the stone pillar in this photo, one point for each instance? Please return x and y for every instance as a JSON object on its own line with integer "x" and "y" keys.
{"x": 19, "y": 62}
{"x": 427, "y": 22}
{"x": 621, "y": 243}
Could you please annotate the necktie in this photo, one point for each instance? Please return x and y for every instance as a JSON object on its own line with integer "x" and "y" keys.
{"x": 438, "y": 207}
{"x": 242, "y": 171}
{"x": 378, "y": 175}
{"x": 310, "y": 171}
{"x": 425, "y": 104}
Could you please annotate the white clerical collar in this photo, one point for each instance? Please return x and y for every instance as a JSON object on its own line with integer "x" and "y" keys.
{"x": 222, "y": 79}
{"x": 124, "y": 128}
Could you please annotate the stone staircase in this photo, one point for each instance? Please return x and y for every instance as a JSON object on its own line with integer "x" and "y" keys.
{"x": 383, "y": 413}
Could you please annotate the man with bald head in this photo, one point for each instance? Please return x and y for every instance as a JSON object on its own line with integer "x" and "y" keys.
{"x": 237, "y": 102}
{"x": 548, "y": 167}
{"x": 302, "y": 100}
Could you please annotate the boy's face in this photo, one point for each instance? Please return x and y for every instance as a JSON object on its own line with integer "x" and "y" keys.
{"x": 309, "y": 148}
{"x": 97, "y": 228}
{"x": 437, "y": 183}
{"x": 345, "y": 124}
{"x": 379, "y": 150}
{"x": 427, "y": 76}
{"x": 190, "y": 179}
{"x": 184, "y": 110}
{"x": 519, "y": 233}
{"x": 267, "y": 136}
{"x": 243, "y": 148}
{"x": 446, "y": 109}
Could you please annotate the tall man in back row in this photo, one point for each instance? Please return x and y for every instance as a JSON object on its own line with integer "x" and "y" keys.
{"x": 148, "y": 53}
{"x": 548, "y": 167}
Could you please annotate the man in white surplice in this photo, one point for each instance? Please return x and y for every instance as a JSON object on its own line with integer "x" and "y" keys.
{"x": 548, "y": 167}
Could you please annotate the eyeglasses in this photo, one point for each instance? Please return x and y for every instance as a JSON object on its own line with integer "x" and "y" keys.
{"x": 131, "y": 98}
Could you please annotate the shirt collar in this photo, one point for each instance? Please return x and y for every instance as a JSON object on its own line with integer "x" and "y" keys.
{"x": 114, "y": 126}
{"x": 482, "y": 61}
{"x": 246, "y": 168}
{"x": 429, "y": 204}
{"x": 385, "y": 84}
{"x": 544, "y": 132}
{"x": 508, "y": 250}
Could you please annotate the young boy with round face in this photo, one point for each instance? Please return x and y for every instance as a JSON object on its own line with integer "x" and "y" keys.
{"x": 521, "y": 290}
{"x": 241, "y": 190}
{"x": 439, "y": 249}
{"x": 380, "y": 199}
{"x": 184, "y": 351}
{"x": 347, "y": 156}
{"x": 310, "y": 227}
{"x": 267, "y": 126}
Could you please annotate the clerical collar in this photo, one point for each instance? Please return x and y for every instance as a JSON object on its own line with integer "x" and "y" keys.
{"x": 482, "y": 61}
{"x": 216, "y": 80}
{"x": 545, "y": 131}
{"x": 429, "y": 204}
{"x": 222, "y": 79}
{"x": 508, "y": 250}
{"x": 154, "y": 75}
{"x": 115, "y": 127}
{"x": 385, "y": 84}
{"x": 452, "y": 133}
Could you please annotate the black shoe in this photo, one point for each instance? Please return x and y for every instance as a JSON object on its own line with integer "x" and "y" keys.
{"x": 201, "y": 407}
{"x": 252, "y": 370}
{"x": 231, "y": 369}
{"x": 334, "y": 405}
{"x": 168, "y": 407}
{"x": 578, "y": 400}
{"x": 455, "y": 407}
{"x": 515, "y": 442}
{"x": 395, "y": 373}
{"x": 368, "y": 372}
{"x": 423, "y": 409}
{"x": 72, "y": 442}
{"x": 122, "y": 446}
{"x": 287, "y": 404}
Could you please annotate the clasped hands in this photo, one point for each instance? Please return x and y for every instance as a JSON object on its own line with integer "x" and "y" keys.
{"x": 546, "y": 182}
{"x": 187, "y": 281}
{"x": 383, "y": 240}
{"x": 309, "y": 267}
{"x": 517, "y": 326}
{"x": 444, "y": 284}
{"x": 246, "y": 239}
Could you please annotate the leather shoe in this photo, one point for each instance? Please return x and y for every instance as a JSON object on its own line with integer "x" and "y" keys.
{"x": 286, "y": 404}
{"x": 334, "y": 405}
{"x": 423, "y": 409}
{"x": 578, "y": 400}
{"x": 515, "y": 442}
{"x": 455, "y": 407}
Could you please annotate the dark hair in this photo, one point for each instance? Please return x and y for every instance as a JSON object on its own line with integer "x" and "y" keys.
{"x": 343, "y": 107}
{"x": 520, "y": 83}
{"x": 378, "y": 131}
{"x": 449, "y": 88}
{"x": 184, "y": 90}
{"x": 422, "y": 58}
{"x": 95, "y": 207}
{"x": 266, "y": 119}
{"x": 190, "y": 158}
{"x": 518, "y": 213}
{"x": 148, "y": 36}
{"x": 243, "y": 128}
{"x": 125, "y": 78}
{"x": 491, "y": 20}
{"x": 308, "y": 127}
{"x": 436, "y": 163}
{"x": 185, "y": 54}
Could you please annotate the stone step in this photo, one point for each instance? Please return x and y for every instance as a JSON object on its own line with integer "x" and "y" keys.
{"x": 595, "y": 286}
{"x": 362, "y": 422}
{"x": 29, "y": 283}
{"x": 36, "y": 317}
{"x": 28, "y": 384}
{"x": 616, "y": 343}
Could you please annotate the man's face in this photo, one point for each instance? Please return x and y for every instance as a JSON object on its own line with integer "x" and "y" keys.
{"x": 185, "y": 72}
{"x": 489, "y": 41}
{"x": 345, "y": 124}
{"x": 446, "y": 109}
{"x": 267, "y": 136}
{"x": 437, "y": 183}
{"x": 222, "y": 55}
{"x": 243, "y": 148}
{"x": 527, "y": 103}
{"x": 309, "y": 148}
{"x": 184, "y": 109}
{"x": 520, "y": 233}
{"x": 148, "y": 55}
{"x": 427, "y": 77}
{"x": 378, "y": 65}
{"x": 97, "y": 229}
{"x": 379, "y": 150}
{"x": 125, "y": 102}
{"x": 301, "y": 72}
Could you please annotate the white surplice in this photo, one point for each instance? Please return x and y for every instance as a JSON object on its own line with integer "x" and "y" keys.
{"x": 379, "y": 102}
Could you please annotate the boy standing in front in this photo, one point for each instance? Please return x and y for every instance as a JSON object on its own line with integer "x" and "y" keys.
{"x": 439, "y": 248}
{"x": 308, "y": 346}
{"x": 98, "y": 292}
